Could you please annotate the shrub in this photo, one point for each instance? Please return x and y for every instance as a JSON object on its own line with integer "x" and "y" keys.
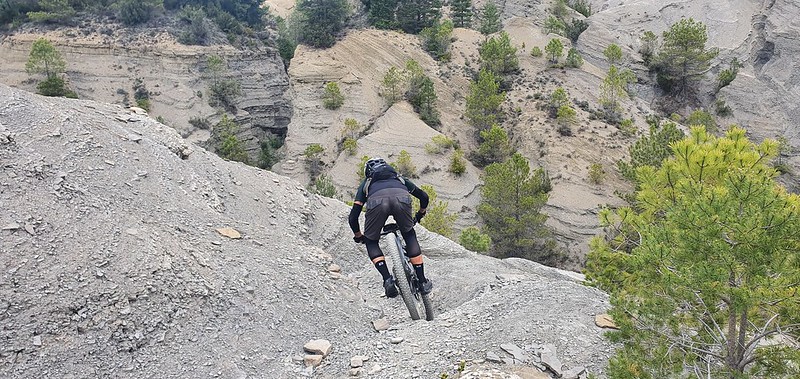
{"x": 198, "y": 30}
{"x": 554, "y": 25}
{"x": 727, "y": 76}
{"x": 596, "y": 173}
{"x": 439, "y": 144}
{"x": 350, "y": 145}
{"x": 222, "y": 92}
{"x": 574, "y": 29}
{"x": 498, "y": 55}
{"x": 404, "y": 165}
{"x": 269, "y": 152}
{"x": 574, "y": 58}
{"x": 437, "y": 219}
{"x": 627, "y": 128}
{"x": 722, "y": 109}
{"x": 323, "y": 186}
{"x": 52, "y": 86}
{"x": 133, "y": 12}
{"x": 472, "y": 239}
{"x": 701, "y": 117}
{"x": 557, "y": 100}
{"x": 392, "y": 85}
{"x": 436, "y": 40}
{"x": 332, "y": 98}
{"x": 200, "y": 123}
{"x": 313, "y": 154}
{"x": 458, "y": 165}
{"x": 536, "y": 52}
{"x": 566, "y": 116}
{"x": 583, "y": 7}
{"x": 226, "y": 143}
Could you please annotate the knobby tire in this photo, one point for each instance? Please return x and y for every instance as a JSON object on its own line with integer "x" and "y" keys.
{"x": 402, "y": 281}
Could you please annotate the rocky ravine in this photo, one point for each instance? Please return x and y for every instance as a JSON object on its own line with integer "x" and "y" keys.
{"x": 117, "y": 263}
{"x": 103, "y": 61}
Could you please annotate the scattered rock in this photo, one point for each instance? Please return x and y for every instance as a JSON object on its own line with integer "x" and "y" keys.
{"x": 322, "y": 347}
{"x": 375, "y": 369}
{"x": 551, "y": 361}
{"x": 229, "y": 232}
{"x": 356, "y": 361}
{"x": 530, "y": 373}
{"x": 29, "y": 228}
{"x": 249, "y": 289}
{"x": 312, "y": 360}
{"x": 492, "y": 357}
{"x": 355, "y": 371}
{"x": 334, "y": 268}
{"x": 605, "y": 321}
{"x": 11, "y": 226}
{"x": 515, "y": 352}
{"x": 380, "y": 324}
{"x": 37, "y": 340}
{"x": 574, "y": 373}
{"x": 396, "y": 340}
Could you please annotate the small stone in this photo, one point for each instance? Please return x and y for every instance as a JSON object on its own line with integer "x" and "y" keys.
{"x": 37, "y": 340}
{"x": 29, "y": 228}
{"x": 356, "y": 362}
{"x": 396, "y": 340}
{"x": 249, "y": 289}
{"x": 551, "y": 361}
{"x": 515, "y": 352}
{"x": 604, "y": 321}
{"x": 375, "y": 369}
{"x": 11, "y": 226}
{"x": 492, "y": 357}
{"x": 320, "y": 346}
{"x": 230, "y": 233}
{"x": 312, "y": 360}
{"x": 335, "y": 275}
{"x": 573, "y": 373}
{"x": 380, "y": 324}
{"x": 216, "y": 243}
{"x": 355, "y": 371}
{"x": 297, "y": 358}
{"x": 334, "y": 268}
{"x": 132, "y": 231}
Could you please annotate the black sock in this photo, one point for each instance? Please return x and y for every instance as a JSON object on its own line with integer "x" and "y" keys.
{"x": 420, "y": 273}
{"x": 383, "y": 269}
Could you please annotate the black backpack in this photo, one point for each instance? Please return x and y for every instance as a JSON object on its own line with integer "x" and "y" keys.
{"x": 382, "y": 172}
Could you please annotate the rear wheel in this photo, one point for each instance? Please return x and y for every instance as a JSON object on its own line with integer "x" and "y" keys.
{"x": 402, "y": 281}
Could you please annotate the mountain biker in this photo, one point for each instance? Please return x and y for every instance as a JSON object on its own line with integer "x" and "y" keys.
{"x": 386, "y": 193}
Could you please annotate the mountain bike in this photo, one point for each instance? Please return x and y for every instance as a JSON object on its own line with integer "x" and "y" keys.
{"x": 410, "y": 288}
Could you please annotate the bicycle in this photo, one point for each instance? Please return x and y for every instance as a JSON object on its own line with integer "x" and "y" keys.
{"x": 410, "y": 288}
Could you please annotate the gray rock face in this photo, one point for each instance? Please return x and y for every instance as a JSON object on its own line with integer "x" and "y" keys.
{"x": 173, "y": 73}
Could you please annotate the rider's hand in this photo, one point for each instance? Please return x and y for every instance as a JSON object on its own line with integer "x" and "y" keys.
{"x": 358, "y": 238}
{"x": 419, "y": 215}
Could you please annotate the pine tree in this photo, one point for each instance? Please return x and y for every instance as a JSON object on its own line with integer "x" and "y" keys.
{"x": 613, "y": 54}
{"x": 45, "y": 59}
{"x": 495, "y": 146}
{"x": 322, "y": 21}
{"x": 415, "y": 15}
{"x": 683, "y": 58}
{"x": 490, "y": 19}
{"x": 461, "y": 12}
{"x": 483, "y": 101}
{"x": 381, "y": 13}
{"x": 703, "y": 273}
{"x": 512, "y": 198}
{"x": 498, "y": 55}
{"x": 574, "y": 58}
{"x": 652, "y": 149}
{"x": 554, "y": 50}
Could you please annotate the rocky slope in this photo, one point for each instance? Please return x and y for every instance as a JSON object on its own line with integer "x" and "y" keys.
{"x": 756, "y": 32}
{"x": 130, "y": 253}
{"x": 104, "y": 61}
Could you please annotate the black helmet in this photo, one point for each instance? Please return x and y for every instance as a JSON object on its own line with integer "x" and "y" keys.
{"x": 369, "y": 167}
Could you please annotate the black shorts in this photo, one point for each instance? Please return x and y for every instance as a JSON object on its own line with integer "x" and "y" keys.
{"x": 395, "y": 202}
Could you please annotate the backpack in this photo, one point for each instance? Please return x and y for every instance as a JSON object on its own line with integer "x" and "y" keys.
{"x": 382, "y": 172}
